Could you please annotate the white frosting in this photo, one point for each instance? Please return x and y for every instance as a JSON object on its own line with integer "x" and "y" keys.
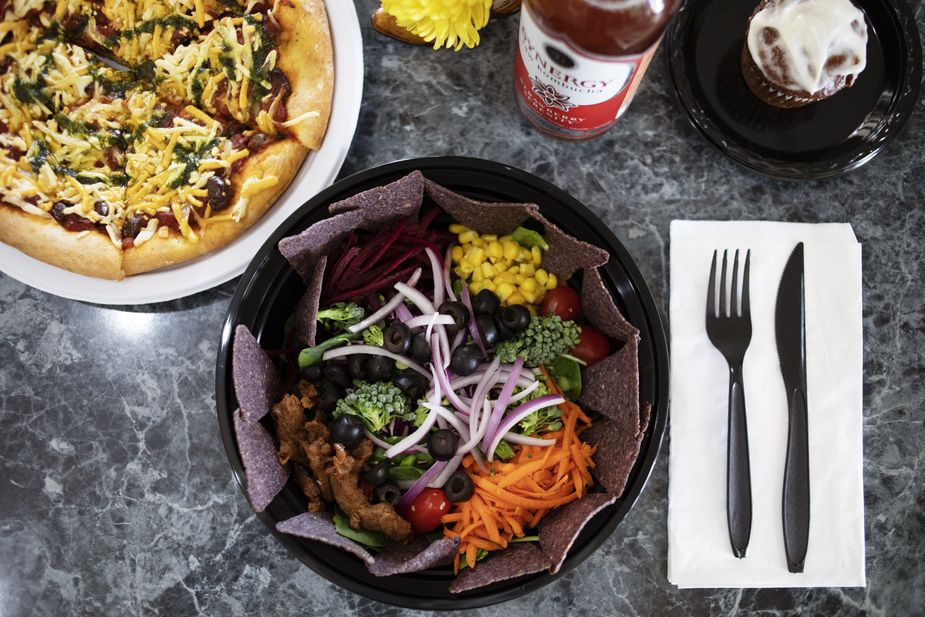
{"x": 809, "y": 32}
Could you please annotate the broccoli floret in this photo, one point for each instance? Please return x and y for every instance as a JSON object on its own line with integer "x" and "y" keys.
{"x": 544, "y": 339}
{"x": 376, "y": 404}
{"x": 373, "y": 335}
{"x": 341, "y": 315}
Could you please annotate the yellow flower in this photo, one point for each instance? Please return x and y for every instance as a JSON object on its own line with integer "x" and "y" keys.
{"x": 449, "y": 23}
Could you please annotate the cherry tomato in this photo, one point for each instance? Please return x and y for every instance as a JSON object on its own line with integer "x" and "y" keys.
{"x": 593, "y": 346}
{"x": 425, "y": 511}
{"x": 562, "y": 301}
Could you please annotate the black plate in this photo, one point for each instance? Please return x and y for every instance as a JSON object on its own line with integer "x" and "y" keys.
{"x": 820, "y": 140}
{"x": 269, "y": 288}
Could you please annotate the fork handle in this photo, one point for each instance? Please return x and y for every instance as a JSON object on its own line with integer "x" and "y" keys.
{"x": 738, "y": 474}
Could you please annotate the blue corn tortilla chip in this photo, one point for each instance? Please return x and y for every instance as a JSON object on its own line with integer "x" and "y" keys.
{"x": 415, "y": 556}
{"x": 611, "y": 386}
{"x": 519, "y": 559}
{"x": 405, "y": 194}
{"x": 305, "y": 327}
{"x": 618, "y": 443}
{"x": 559, "y": 529}
{"x": 566, "y": 255}
{"x": 265, "y": 476}
{"x": 600, "y": 309}
{"x": 319, "y": 526}
{"x": 369, "y": 210}
{"x": 256, "y": 383}
{"x": 485, "y": 217}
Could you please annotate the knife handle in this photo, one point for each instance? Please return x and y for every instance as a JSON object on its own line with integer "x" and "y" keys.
{"x": 796, "y": 484}
{"x": 738, "y": 473}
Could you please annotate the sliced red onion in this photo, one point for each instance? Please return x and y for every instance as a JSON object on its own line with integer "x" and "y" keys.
{"x": 476, "y": 437}
{"x": 447, "y": 281}
{"x": 473, "y": 328}
{"x": 416, "y": 436}
{"x": 420, "y": 484}
{"x": 417, "y": 298}
{"x": 437, "y": 267}
{"x": 478, "y": 397}
{"x": 386, "y": 445}
{"x": 524, "y": 440}
{"x": 451, "y": 466}
{"x": 525, "y": 392}
{"x": 450, "y": 417}
{"x": 442, "y": 379}
{"x": 458, "y": 340}
{"x": 372, "y": 350}
{"x": 516, "y": 415}
{"x": 434, "y": 319}
{"x": 501, "y": 404}
{"x": 388, "y": 307}
{"x": 402, "y": 313}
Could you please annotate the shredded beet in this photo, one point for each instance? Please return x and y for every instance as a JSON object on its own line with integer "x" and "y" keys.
{"x": 369, "y": 262}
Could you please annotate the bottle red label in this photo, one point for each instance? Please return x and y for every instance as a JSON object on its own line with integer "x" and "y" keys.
{"x": 567, "y": 91}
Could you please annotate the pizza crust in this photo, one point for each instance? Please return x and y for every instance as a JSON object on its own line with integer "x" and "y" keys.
{"x": 91, "y": 253}
{"x": 282, "y": 159}
{"x": 307, "y": 58}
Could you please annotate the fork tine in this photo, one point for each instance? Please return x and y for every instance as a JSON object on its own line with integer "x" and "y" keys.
{"x": 711, "y": 292}
{"x": 722, "y": 287}
{"x": 746, "y": 308}
{"x": 734, "y": 290}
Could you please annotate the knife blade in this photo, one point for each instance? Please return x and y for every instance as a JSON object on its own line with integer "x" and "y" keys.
{"x": 790, "y": 335}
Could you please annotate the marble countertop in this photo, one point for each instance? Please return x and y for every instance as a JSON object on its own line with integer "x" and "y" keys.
{"x": 115, "y": 494}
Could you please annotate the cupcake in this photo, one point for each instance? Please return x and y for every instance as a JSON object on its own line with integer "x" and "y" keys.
{"x": 797, "y": 52}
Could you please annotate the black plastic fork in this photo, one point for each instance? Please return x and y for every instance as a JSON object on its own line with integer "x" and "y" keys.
{"x": 730, "y": 331}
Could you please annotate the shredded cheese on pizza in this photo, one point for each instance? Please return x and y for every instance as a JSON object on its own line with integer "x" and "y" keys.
{"x": 148, "y": 152}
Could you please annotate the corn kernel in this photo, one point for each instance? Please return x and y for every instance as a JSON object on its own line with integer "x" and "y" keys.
{"x": 514, "y": 269}
{"x": 495, "y": 249}
{"x": 532, "y": 309}
{"x": 519, "y": 278}
{"x": 467, "y": 236}
{"x": 456, "y": 228}
{"x": 552, "y": 282}
{"x": 488, "y": 270}
{"x": 529, "y": 296}
{"x": 459, "y": 272}
{"x": 479, "y": 242}
{"x": 542, "y": 277}
{"x": 511, "y": 250}
{"x": 527, "y": 269}
{"x": 477, "y": 275}
{"x": 508, "y": 238}
{"x": 489, "y": 237}
{"x": 466, "y": 269}
{"x": 476, "y": 287}
{"x": 475, "y": 257}
{"x": 489, "y": 285}
{"x": 515, "y": 298}
{"x": 537, "y": 255}
{"x": 457, "y": 253}
{"x": 507, "y": 277}
{"x": 525, "y": 255}
{"x": 528, "y": 286}
{"x": 504, "y": 291}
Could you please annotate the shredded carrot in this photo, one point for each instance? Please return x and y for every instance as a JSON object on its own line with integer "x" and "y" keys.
{"x": 514, "y": 496}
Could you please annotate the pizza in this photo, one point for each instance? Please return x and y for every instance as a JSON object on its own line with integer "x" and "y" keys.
{"x": 138, "y": 134}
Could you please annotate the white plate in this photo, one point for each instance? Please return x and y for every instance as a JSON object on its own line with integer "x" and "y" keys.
{"x": 317, "y": 173}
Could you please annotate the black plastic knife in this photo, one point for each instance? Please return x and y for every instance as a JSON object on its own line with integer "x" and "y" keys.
{"x": 790, "y": 333}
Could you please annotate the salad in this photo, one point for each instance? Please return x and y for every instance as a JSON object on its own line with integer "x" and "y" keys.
{"x": 452, "y": 399}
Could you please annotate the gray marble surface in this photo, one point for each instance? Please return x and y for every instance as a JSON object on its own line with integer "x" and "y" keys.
{"x": 115, "y": 494}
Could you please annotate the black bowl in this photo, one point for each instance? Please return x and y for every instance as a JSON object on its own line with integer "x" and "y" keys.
{"x": 269, "y": 289}
{"x": 821, "y": 140}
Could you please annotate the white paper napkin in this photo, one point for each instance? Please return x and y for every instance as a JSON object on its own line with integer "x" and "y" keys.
{"x": 699, "y": 553}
